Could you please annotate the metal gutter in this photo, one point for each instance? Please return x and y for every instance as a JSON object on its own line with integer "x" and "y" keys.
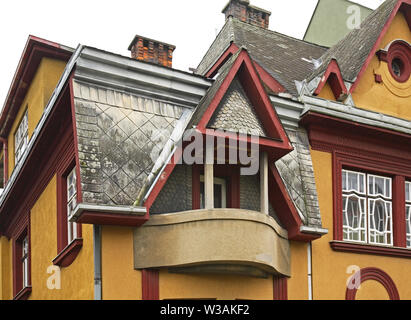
{"x": 342, "y": 111}
{"x": 114, "y": 209}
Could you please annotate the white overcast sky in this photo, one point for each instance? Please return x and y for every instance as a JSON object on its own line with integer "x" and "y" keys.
{"x": 110, "y": 25}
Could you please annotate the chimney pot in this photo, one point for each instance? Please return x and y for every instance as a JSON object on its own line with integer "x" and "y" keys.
{"x": 149, "y": 50}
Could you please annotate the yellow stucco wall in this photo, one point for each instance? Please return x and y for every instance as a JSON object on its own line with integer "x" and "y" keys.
{"x": 327, "y": 93}
{"x": 77, "y": 280}
{"x": 298, "y": 283}
{"x": 6, "y": 276}
{"x": 119, "y": 279}
{"x": 40, "y": 90}
{"x": 330, "y": 267}
{"x": 389, "y": 97}
{"x": 221, "y": 287}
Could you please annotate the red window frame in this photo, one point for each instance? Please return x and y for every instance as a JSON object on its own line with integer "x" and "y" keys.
{"x": 19, "y": 291}
{"x": 370, "y": 165}
{"x": 66, "y": 252}
{"x": 231, "y": 173}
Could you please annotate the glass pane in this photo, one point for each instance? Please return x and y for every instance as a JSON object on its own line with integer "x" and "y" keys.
{"x": 202, "y": 199}
{"x": 408, "y": 223}
{"x": 353, "y": 218}
{"x": 408, "y": 191}
{"x": 380, "y": 222}
{"x": 217, "y": 196}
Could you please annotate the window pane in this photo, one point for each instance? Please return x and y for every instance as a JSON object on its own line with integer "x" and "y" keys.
{"x": 380, "y": 221}
{"x": 21, "y": 138}
{"x": 408, "y": 191}
{"x": 354, "y": 218}
{"x": 408, "y": 222}
{"x": 379, "y": 186}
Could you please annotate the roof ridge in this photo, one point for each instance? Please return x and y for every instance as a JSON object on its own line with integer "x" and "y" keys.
{"x": 281, "y": 34}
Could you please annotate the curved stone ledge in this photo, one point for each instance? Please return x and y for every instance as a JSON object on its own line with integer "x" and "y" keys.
{"x": 216, "y": 241}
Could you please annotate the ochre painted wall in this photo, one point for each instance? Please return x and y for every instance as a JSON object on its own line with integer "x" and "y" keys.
{"x": 221, "y": 287}
{"x": 327, "y": 93}
{"x": 389, "y": 97}
{"x": 41, "y": 88}
{"x": 77, "y": 280}
{"x": 6, "y": 276}
{"x": 330, "y": 267}
{"x": 372, "y": 289}
{"x": 298, "y": 283}
{"x": 119, "y": 279}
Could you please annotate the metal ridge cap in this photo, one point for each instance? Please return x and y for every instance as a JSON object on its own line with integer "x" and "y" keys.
{"x": 146, "y": 67}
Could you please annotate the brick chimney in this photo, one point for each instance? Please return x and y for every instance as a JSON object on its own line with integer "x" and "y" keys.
{"x": 149, "y": 50}
{"x": 242, "y": 10}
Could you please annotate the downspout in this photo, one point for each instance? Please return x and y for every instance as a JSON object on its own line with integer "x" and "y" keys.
{"x": 310, "y": 270}
{"x": 97, "y": 262}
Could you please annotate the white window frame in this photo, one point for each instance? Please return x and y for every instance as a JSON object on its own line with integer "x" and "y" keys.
{"x": 223, "y": 184}
{"x": 408, "y": 212}
{"x": 25, "y": 261}
{"x": 72, "y": 230}
{"x": 369, "y": 197}
{"x": 21, "y": 138}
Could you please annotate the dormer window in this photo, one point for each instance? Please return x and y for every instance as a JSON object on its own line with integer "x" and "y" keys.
{"x": 21, "y": 138}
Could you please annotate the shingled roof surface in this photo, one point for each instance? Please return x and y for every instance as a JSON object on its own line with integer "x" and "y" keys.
{"x": 352, "y": 51}
{"x": 287, "y": 59}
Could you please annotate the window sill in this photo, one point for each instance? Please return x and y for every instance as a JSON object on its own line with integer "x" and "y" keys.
{"x": 66, "y": 257}
{"x": 23, "y": 294}
{"x": 370, "y": 249}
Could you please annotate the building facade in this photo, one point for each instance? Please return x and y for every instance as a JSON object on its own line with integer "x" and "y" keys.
{"x": 279, "y": 169}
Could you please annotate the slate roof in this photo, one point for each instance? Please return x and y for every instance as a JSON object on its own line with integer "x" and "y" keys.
{"x": 352, "y": 51}
{"x": 287, "y": 59}
{"x": 236, "y": 113}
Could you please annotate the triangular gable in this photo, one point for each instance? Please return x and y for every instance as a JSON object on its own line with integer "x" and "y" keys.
{"x": 236, "y": 113}
{"x": 333, "y": 77}
{"x": 268, "y": 80}
{"x": 401, "y": 5}
{"x": 241, "y": 67}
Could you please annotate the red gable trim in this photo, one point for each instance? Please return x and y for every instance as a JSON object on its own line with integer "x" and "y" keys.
{"x": 34, "y": 51}
{"x": 248, "y": 76}
{"x": 404, "y": 6}
{"x": 271, "y": 83}
{"x": 334, "y": 78}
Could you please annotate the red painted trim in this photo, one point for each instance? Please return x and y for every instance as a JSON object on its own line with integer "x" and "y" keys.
{"x": 150, "y": 284}
{"x": 398, "y": 211}
{"x": 195, "y": 186}
{"x": 280, "y": 288}
{"x": 350, "y": 247}
{"x": 330, "y": 134}
{"x": 334, "y": 78}
{"x": 34, "y": 51}
{"x": 23, "y": 294}
{"x": 39, "y": 167}
{"x": 67, "y": 256}
{"x": 378, "y": 78}
{"x": 163, "y": 179}
{"x": 232, "y": 49}
{"x": 401, "y": 50}
{"x": 271, "y": 83}
{"x": 404, "y": 5}
{"x": 110, "y": 219}
{"x": 376, "y": 275}
{"x": 231, "y": 173}
{"x": 21, "y": 231}
{"x": 248, "y": 76}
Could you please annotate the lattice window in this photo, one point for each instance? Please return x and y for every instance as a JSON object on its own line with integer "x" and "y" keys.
{"x": 354, "y": 206}
{"x": 25, "y": 261}
{"x": 21, "y": 138}
{"x": 408, "y": 211}
{"x": 367, "y": 208}
{"x": 71, "y": 204}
